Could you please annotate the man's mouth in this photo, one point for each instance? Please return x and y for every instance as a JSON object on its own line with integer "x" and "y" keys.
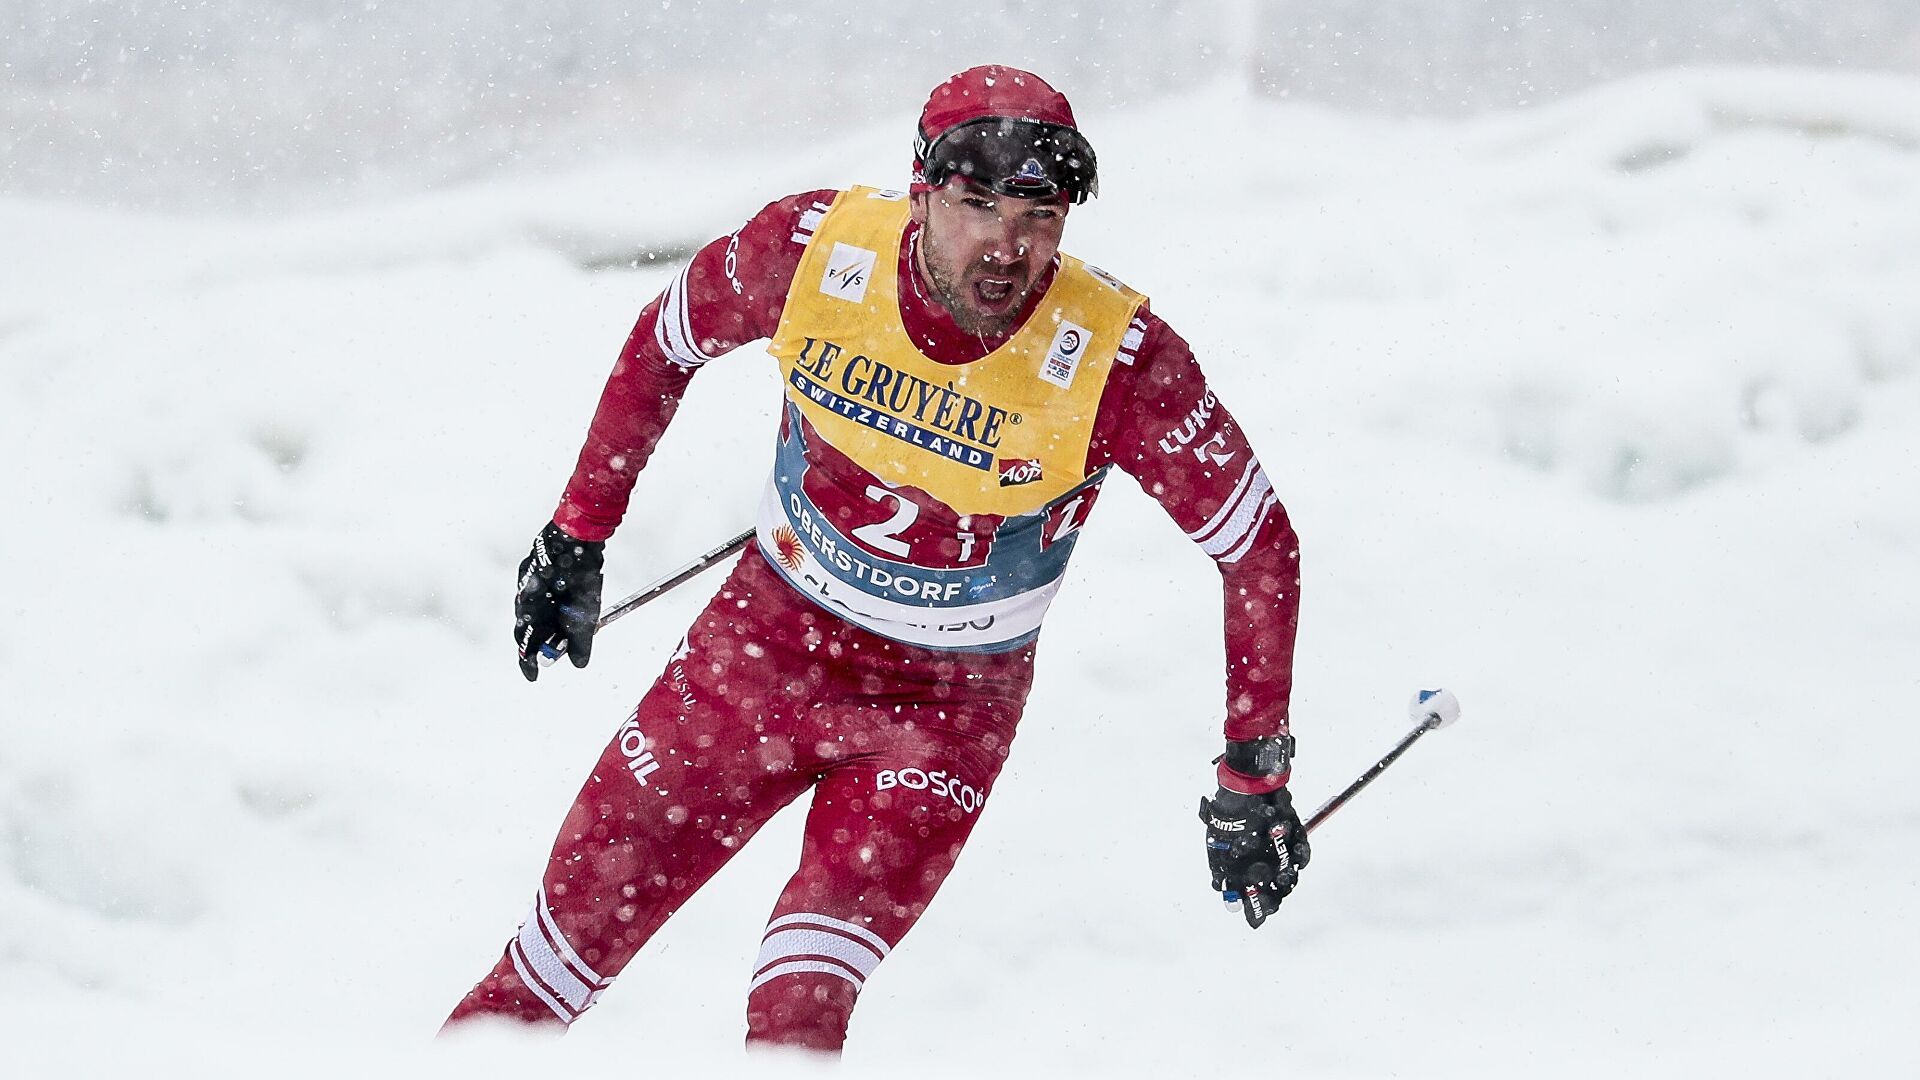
{"x": 994, "y": 293}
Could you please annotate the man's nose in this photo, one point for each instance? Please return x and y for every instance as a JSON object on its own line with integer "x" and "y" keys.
{"x": 1009, "y": 243}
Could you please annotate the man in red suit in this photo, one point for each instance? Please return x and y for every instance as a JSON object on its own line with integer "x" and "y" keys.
{"x": 957, "y": 391}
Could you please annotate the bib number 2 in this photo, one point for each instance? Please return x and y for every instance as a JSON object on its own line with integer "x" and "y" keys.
{"x": 885, "y": 535}
{"x": 915, "y": 534}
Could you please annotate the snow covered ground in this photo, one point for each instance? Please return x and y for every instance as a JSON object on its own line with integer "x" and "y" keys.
{"x": 1603, "y": 414}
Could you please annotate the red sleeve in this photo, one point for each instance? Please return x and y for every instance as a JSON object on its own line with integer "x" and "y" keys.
{"x": 1160, "y": 422}
{"x": 731, "y": 292}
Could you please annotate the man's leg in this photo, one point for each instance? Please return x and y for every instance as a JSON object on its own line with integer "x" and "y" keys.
{"x": 645, "y": 832}
{"x": 684, "y": 783}
{"x": 883, "y": 832}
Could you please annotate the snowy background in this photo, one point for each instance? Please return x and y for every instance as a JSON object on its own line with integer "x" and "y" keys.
{"x": 1599, "y": 410}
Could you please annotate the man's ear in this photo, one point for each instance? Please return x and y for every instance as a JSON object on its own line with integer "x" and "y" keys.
{"x": 917, "y": 203}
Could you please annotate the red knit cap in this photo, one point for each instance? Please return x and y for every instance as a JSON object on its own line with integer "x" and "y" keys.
{"x": 993, "y": 90}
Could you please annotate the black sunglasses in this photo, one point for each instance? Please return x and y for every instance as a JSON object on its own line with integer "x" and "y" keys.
{"x": 1028, "y": 159}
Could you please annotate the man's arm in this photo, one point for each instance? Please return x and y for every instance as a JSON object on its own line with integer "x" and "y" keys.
{"x": 731, "y": 292}
{"x": 1161, "y": 423}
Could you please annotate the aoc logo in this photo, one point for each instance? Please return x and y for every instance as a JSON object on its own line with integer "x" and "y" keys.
{"x": 1064, "y": 355}
{"x": 943, "y": 786}
{"x": 1017, "y": 471}
{"x": 849, "y": 269}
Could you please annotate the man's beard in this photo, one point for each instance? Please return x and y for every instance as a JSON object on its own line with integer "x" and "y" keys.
{"x": 958, "y": 299}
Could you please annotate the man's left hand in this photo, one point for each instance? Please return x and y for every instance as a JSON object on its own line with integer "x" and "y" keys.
{"x": 1255, "y": 849}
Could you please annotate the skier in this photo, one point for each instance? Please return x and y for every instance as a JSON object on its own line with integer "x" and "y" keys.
{"x": 956, "y": 391}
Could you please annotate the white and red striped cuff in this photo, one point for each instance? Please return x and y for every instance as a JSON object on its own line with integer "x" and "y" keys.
{"x": 808, "y": 941}
{"x": 550, "y": 967}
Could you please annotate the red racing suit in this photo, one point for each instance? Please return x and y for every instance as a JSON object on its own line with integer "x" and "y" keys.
{"x": 775, "y": 691}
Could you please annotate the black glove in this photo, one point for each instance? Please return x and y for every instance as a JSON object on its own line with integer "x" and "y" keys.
{"x": 1255, "y": 849}
{"x": 559, "y": 600}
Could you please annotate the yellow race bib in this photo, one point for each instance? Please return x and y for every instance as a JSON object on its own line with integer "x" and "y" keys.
{"x": 944, "y": 504}
{"x": 1005, "y": 434}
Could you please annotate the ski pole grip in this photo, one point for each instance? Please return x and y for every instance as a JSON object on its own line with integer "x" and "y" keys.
{"x": 1434, "y": 708}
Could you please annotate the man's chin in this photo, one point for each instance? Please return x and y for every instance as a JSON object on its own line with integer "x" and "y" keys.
{"x": 981, "y": 324}
{"x": 987, "y": 320}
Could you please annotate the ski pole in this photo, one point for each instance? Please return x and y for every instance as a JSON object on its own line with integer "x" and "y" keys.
{"x": 674, "y": 580}
{"x": 550, "y": 653}
{"x": 1430, "y": 711}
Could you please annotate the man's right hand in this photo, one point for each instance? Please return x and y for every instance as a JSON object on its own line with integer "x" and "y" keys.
{"x": 558, "y": 603}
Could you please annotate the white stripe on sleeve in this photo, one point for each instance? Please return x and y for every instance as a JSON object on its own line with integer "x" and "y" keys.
{"x": 1266, "y": 507}
{"x": 673, "y": 331}
{"x": 1236, "y": 528}
{"x": 1228, "y": 506}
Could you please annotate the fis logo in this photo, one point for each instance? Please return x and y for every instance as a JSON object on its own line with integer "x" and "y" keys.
{"x": 849, "y": 269}
{"x": 1017, "y": 471}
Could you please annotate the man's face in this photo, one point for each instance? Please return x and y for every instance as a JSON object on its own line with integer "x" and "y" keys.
{"x": 983, "y": 251}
